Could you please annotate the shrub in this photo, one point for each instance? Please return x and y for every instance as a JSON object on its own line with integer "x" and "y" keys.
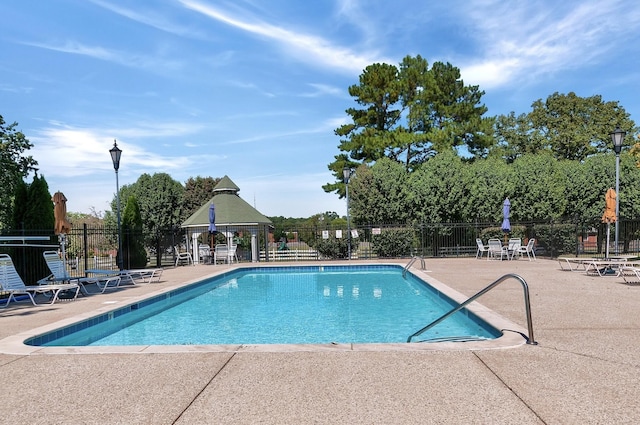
{"x": 393, "y": 243}
{"x": 335, "y": 248}
{"x": 556, "y": 238}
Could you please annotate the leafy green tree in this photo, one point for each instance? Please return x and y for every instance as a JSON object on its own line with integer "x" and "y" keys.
{"x": 539, "y": 188}
{"x": 438, "y": 188}
{"x": 598, "y": 174}
{"x": 197, "y": 191}
{"x": 455, "y": 112}
{"x": 20, "y": 204}
{"x": 578, "y": 206}
{"x": 133, "y": 253}
{"x": 515, "y": 137}
{"x": 39, "y": 212}
{"x": 377, "y": 194}
{"x": 570, "y": 126}
{"x": 160, "y": 200}
{"x": 33, "y": 210}
{"x": 490, "y": 181}
{"x": 14, "y": 166}
{"x": 368, "y": 136}
{"x": 410, "y": 114}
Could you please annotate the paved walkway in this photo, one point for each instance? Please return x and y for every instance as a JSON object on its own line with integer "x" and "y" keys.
{"x": 585, "y": 369}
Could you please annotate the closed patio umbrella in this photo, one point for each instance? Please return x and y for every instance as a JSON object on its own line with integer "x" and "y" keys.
{"x": 212, "y": 222}
{"x": 609, "y": 215}
{"x": 61, "y": 226}
{"x": 506, "y": 225}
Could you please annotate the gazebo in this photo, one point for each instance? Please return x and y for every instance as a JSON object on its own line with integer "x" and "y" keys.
{"x": 232, "y": 215}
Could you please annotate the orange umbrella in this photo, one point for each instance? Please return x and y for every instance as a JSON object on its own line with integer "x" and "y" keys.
{"x": 62, "y": 226}
{"x": 609, "y": 215}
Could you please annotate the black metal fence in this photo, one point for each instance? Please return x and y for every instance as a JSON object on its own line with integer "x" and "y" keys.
{"x": 459, "y": 239}
{"x": 96, "y": 247}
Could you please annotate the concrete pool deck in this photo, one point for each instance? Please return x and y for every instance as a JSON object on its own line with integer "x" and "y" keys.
{"x": 585, "y": 368}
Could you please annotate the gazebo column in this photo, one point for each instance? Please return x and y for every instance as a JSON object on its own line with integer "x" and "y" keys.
{"x": 254, "y": 247}
{"x": 195, "y": 247}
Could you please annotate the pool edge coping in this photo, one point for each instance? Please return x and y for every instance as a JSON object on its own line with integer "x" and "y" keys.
{"x": 512, "y": 334}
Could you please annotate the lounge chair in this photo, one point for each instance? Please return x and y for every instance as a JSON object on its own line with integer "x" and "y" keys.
{"x": 527, "y": 249}
{"x": 59, "y": 272}
{"x": 631, "y": 275}
{"x": 574, "y": 264}
{"x": 482, "y": 248}
{"x": 144, "y": 275}
{"x": 105, "y": 278}
{"x": 11, "y": 282}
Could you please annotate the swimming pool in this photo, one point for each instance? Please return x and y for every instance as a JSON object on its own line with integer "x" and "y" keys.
{"x": 280, "y": 305}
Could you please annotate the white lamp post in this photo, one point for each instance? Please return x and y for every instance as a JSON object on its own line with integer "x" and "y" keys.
{"x": 115, "y": 157}
{"x": 617, "y": 136}
{"x": 346, "y": 174}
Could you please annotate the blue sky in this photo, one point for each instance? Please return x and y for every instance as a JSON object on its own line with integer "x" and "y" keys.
{"x": 254, "y": 89}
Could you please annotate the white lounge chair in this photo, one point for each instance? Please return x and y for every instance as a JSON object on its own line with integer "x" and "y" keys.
{"x": 144, "y": 275}
{"x": 59, "y": 272}
{"x": 11, "y": 282}
{"x": 574, "y": 264}
{"x": 482, "y": 248}
{"x": 631, "y": 275}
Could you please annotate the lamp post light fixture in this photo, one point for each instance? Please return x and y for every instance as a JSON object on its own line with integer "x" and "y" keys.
{"x": 618, "y": 137}
{"x": 115, "y": 157}
{"x": 346, "y": 174}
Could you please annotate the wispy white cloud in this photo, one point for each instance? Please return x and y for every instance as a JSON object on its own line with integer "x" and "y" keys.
{"x": 322, "y": 128}
{"x": 119, "y": 57}
{"x": 15, "y": 89}
{"x": 68, "y": 151}
{"x": 151, "y": 18}
{"x": 250, "y": 86}
{"x": 302, "y": 47}
{"x": 530, "y": 39}
{"x": 324, "y": 90}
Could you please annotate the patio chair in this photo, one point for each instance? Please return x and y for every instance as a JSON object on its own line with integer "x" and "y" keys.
{"x": 482, "y": 248}
{"x": 528, "y": 249}
{"x": 496, "y": 249}
{"x": 11, "y": 282}
{"x": 204, "y": 254}
{"x": 221, "y": 252}
{"x": 513, "y": 247}
{"x": 233, "y": 253}
{"x": 183, "y": 256}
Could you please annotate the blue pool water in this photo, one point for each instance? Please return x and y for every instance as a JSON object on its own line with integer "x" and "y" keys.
{"x": 282, "y": 305}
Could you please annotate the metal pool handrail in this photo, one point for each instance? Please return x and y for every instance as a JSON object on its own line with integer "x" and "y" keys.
{"x": 410, "y": 263}
{"x": 527, "y": 306}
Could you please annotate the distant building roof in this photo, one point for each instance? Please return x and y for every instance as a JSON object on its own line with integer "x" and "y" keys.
{"x": 231, "y": 209}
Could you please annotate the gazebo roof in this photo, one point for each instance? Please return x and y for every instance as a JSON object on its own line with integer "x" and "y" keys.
{"x": 231, "y": 209}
